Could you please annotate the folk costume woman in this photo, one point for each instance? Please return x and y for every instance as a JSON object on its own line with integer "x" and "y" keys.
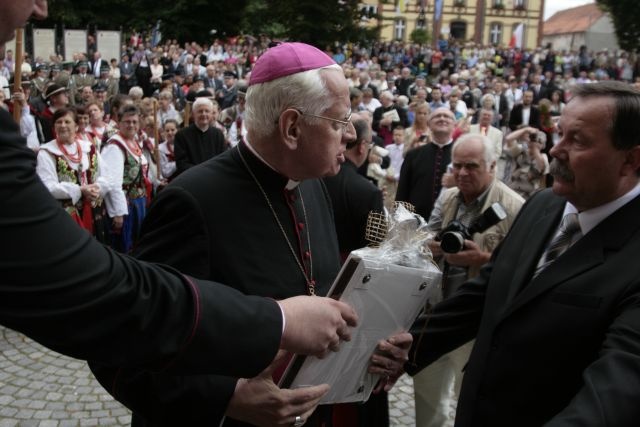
{"x": 167, "y": 156}
{"x": 128, "y": 174}
{"x": 71, "y": 168}
{"x": 97, "y": 129}
{"x": 83, "y": 120}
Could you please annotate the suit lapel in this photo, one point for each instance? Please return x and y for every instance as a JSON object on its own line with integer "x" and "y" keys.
{"x": 583, "y": 256}
{"x": 588, "y": 252}
{"x": 537, "y": 236}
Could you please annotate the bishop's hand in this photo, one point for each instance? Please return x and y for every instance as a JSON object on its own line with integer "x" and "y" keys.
{"x": 260, "y": 402}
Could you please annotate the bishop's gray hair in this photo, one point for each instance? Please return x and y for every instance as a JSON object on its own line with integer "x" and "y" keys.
{"x": 305, "y": 91}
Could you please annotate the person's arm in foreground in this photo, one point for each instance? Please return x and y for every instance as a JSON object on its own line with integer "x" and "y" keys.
{"x": 65, "y": 290}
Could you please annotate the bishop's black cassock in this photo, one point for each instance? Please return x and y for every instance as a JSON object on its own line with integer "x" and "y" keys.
{"x": 213, "y": 221}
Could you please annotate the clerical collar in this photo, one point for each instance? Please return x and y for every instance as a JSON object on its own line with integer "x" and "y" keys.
{"x": 200, "y": 129}
{"x": 291, "y": 184}
{"x": 443, "y": 145}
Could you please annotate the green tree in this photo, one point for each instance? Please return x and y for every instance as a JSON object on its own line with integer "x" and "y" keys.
{"x": 626, "y": 20}
{"x": 195, "y": 19}
{"x": 320, "y": 23}
{"x": 181, "y": 19}
{"x": 111, "y": 14}
{"x": 420, "y": 36}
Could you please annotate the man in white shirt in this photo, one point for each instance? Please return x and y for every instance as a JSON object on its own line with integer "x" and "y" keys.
{"x": 525, "y": 114}
{"x": 513, "y": 93}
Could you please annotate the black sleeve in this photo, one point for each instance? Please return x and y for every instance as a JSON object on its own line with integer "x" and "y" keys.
{"x": 404, "y": 120}
{"x": 535, "y": 120}
{"x": 376, "y": 202}
{"x": 386, "y": 162}
{"x": 168, "y": 400}
{"x": 452, "y": 323}
{"x": 70, "y": 293}
{"x": 220, "y": 142}
{"x": 504, "y": 110}
{"x": 161, "y": 398}
{"x": 513, "y": 125}
{"x": 377, "y": 116}
{"x": 404, "y": 182}
{"x": 180, "y": 150}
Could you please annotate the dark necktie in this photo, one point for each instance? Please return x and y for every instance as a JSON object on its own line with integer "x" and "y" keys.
{"x": 569, "y": 228}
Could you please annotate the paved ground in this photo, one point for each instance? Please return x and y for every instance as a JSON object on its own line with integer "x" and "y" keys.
{"x": 402, "y": 411}
{"x": 41, "y": 388}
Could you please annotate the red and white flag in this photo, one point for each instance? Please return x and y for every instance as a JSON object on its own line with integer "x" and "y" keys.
{"x": 516, "y": 37}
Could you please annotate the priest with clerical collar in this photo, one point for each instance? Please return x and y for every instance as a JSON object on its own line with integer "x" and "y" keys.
{"x": 257, "y": 216}
{"x": 200, "y": 141}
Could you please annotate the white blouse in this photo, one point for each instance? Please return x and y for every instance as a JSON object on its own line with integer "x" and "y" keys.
{"x": 46, "y": 170}
{"x": 167, "y": 167}
{"x": 113, "y": 159}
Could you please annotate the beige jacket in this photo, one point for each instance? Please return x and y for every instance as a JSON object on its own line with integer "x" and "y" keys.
{"x": 489, "y": 240}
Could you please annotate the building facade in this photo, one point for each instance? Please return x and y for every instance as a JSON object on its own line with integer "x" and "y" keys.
{"x": 583, "y": 25}
{"x": 486, "y": 22}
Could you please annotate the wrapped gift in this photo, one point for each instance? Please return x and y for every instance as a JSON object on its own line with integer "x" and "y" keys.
{"x": 388, "y": 285}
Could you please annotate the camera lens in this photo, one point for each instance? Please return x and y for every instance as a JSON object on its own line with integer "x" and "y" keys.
{"x": 452, "y": 242}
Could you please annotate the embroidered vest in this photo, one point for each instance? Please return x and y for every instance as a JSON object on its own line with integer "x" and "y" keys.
{"x": 66, "y": 173}
{"x": 134, "y": 175}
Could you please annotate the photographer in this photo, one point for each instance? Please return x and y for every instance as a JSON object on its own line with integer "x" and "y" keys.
{"x": 528, "y": 164}
{"x": 474, "y": 164}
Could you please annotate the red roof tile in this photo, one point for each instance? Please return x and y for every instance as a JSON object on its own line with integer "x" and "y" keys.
{"x": 574, "y": 20}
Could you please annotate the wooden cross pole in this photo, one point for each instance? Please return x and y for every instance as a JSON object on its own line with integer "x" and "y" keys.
{"x": 17, "y": 75}
{"x": 156, "y": 138}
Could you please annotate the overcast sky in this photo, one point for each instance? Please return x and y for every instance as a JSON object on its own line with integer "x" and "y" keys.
{"x": 552, "y": 6}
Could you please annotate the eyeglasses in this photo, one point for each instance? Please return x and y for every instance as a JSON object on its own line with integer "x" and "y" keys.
{"x": 344, "y": 123}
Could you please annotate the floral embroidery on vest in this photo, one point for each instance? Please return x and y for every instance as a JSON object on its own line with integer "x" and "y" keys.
{"x": 133, "y": 177}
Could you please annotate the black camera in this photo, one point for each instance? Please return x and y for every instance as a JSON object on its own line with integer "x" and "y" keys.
{"x": 453, "y": 236}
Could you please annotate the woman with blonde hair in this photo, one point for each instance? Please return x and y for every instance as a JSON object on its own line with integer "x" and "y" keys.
{"x": 418, "y": 134}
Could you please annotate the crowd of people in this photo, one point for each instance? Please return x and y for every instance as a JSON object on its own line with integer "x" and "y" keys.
{"x": 62, "y": 288}
{"x": 453, "y": 131}
{"x": 490, "y": 90}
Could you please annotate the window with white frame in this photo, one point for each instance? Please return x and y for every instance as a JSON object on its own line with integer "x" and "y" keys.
{"x": 399, "y": 29}
{"x": 495, "y": 34}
